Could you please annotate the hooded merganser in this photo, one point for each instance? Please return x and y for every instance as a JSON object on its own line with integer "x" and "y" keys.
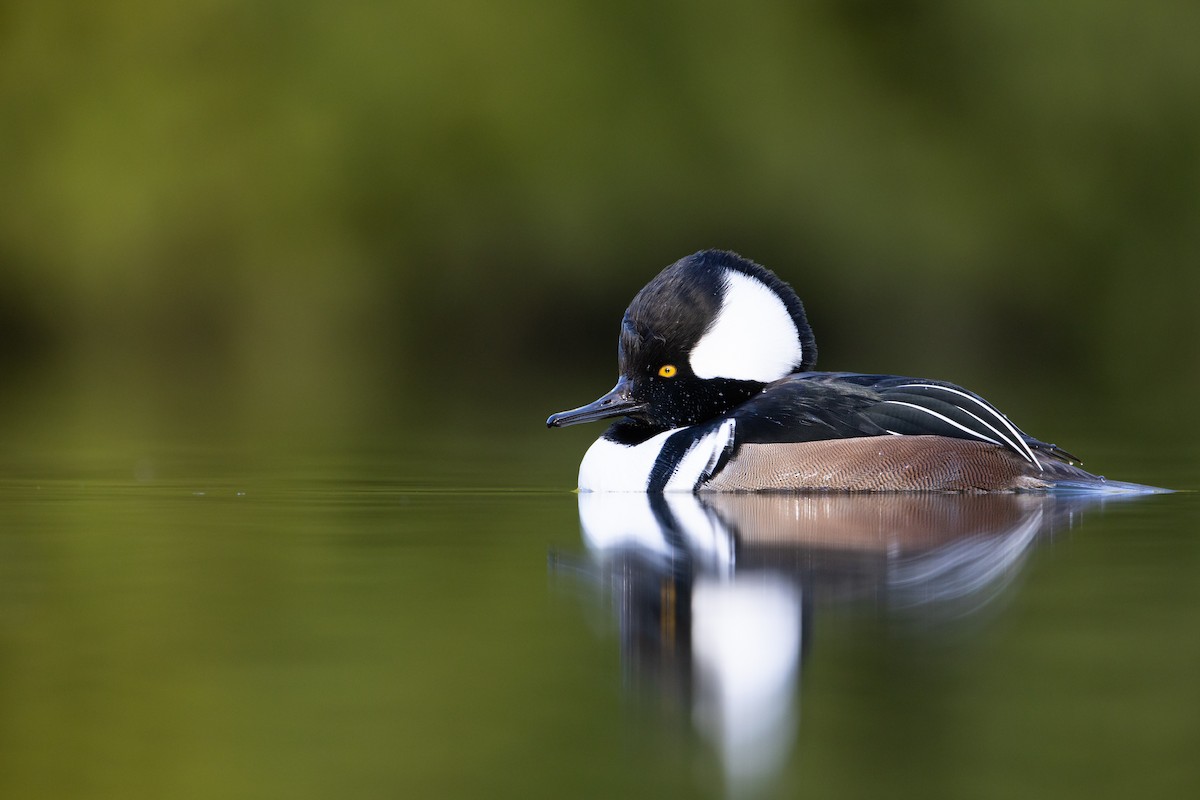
{"x": 717, "y": 393}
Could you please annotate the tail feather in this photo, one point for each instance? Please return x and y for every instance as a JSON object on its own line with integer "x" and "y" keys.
{"x": 1053, "y": 451}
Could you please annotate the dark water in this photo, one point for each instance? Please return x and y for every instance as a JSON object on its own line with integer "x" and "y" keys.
{"x": 347, "y": 623}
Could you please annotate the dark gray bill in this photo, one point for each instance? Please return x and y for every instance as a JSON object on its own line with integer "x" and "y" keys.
{"x": 616, "y": 403}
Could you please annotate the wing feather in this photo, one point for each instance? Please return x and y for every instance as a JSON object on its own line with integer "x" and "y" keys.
{"x": 914, "y": 408}
{"x": 815, "y": 406}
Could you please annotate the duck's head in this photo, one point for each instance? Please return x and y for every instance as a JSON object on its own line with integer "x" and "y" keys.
{"x": 709, "y": 332}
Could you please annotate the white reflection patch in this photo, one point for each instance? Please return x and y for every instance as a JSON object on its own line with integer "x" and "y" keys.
{"x": 616, "y": 521}
{"x": 746, "y": 650}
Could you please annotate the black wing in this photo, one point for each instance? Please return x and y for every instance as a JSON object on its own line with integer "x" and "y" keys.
{"x": 918, "y": 407}
{"x": 822, "y": 405}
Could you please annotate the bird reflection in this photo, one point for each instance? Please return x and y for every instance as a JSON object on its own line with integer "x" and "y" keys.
{"x": 715, "y": 594}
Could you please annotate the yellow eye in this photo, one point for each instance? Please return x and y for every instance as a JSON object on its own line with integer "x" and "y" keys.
{"x": 667, "y": 371}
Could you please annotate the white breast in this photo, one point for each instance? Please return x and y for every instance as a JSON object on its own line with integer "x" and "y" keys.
{"x": 611, "y": 467}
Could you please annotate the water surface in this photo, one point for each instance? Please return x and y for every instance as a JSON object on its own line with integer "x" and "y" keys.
{"x": 345, "y": 622}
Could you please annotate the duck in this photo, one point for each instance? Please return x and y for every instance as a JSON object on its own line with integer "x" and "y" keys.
{"x": 718, "y": 392}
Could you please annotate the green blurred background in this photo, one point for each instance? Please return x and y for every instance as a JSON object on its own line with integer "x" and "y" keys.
{"x": 223, "y": 217}
{"x": 244, "y": 243}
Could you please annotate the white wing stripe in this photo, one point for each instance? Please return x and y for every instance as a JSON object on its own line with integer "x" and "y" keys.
{"x": 943, "y": 418}
{"x": 999, "y": 433}
{"x": 1017, "y": 440}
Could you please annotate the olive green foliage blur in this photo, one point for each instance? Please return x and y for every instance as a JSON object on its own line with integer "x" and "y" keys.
{"x": 332, "y": 207}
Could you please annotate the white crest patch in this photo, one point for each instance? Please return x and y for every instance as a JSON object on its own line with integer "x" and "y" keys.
{"x": 611, "y": 467}
{"x": 753, "y": 337}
